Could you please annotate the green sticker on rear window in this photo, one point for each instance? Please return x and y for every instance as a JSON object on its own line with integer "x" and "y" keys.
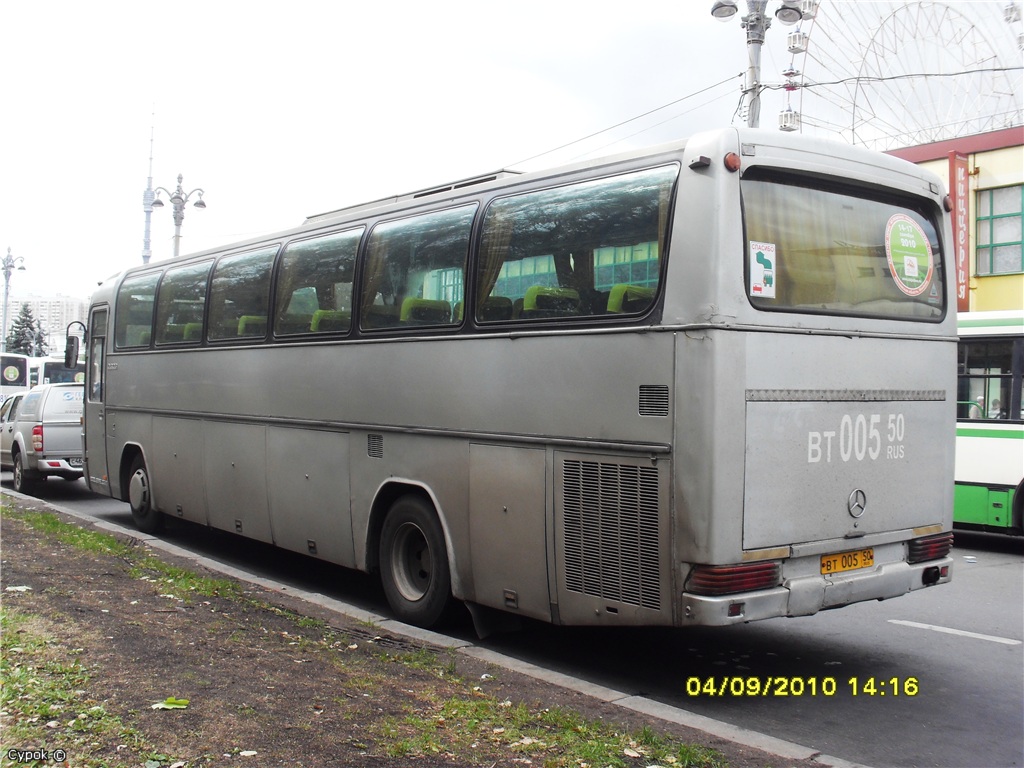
{"x": 909, "y": 254}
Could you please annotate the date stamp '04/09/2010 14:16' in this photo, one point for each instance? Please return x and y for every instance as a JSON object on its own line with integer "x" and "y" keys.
{"x": 753, "y": 686}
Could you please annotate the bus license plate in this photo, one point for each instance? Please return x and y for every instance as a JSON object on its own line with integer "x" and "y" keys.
{"x": 847, "y": 561}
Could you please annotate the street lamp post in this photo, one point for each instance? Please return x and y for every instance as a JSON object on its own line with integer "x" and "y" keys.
{"x": 10, "y": 263}
{"x": 179, "y": 198}
{"x": 756, "y": 23}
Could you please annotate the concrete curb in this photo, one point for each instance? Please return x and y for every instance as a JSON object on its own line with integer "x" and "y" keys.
{"x": 640, "y": 704}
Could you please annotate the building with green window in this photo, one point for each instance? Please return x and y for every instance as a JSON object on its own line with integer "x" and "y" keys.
{"x": 986, "y": 176}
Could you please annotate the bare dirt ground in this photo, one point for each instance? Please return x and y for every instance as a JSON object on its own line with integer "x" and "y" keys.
{"x": 270, "y": 681}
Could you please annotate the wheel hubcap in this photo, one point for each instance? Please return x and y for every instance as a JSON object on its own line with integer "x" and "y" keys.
{"x": 138, "y": 490}
{"x": 410, "y": 558}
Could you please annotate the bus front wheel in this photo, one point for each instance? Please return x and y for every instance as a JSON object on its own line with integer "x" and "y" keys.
{"x": 140, "y": 497}
{"x": 414, "y": 563}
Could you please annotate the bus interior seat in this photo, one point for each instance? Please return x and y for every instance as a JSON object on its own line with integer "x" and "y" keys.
{"x": 549, "y": 301}
{"x": 627, "y": 298}
{"x": 252, "y": 325}
{"x": 136, "y": 336}
{"x": 292, "y": 322}
{"x": 170, "y": 333}
{"x": 379, "y": 316}
{"x": 327, "y": 320}
{"x": 495, "y": 308}
{"x": 425, "y": 311}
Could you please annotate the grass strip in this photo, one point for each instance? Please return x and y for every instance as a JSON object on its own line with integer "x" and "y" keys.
{"x": 44, "y": 689}
{"x": 46, "y": 713}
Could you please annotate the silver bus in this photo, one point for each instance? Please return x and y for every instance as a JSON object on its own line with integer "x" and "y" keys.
{"x": 703, "y": 384}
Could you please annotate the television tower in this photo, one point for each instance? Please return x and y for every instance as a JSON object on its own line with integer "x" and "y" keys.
{"x": 148, "y": 196}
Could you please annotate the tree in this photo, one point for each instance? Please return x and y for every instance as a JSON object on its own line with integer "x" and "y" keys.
{"x": 26, "y": 336}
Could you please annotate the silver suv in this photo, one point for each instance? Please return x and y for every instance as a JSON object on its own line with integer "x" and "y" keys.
{"x": 41, "y": 434}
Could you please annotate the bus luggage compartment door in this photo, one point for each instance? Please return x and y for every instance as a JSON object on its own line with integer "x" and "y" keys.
{"x": 507, "y": 526}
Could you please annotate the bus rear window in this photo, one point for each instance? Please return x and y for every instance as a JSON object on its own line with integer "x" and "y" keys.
{"x": 829, "y": 251}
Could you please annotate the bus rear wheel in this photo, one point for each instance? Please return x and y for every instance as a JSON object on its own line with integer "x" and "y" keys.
{"x": 414, "y": 563}
{"x": 140, "y": 498}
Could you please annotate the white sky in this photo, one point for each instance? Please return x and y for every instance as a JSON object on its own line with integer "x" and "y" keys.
{"x": 282, "y": 110}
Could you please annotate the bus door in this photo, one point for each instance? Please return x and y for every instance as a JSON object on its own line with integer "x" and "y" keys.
{"x": 95, "y": 409}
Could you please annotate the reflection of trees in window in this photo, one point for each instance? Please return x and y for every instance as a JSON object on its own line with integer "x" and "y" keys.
{"x": 314, "y": 290}
{"x": 573, "y": 244}
{"x": 181, "y": 300}
{"x": 415, "y": 269}
{"x": 240, "y": 294}
{"x": 136, "y": 298}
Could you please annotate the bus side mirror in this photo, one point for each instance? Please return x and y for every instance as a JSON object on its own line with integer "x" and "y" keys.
{"x": 71, "y": 352}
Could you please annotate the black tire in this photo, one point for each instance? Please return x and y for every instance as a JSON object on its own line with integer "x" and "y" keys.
{"x": 1017, "y": 521}
{"x": 414, "y": 563}
{"x": 24, "y": 481}
{"x": 140, "y": 498}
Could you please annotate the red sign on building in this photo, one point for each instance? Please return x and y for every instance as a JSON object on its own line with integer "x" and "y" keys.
{"x": 959, "y": 190}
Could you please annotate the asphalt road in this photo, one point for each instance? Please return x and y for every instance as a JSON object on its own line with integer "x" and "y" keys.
{"x": 935, "y": 678}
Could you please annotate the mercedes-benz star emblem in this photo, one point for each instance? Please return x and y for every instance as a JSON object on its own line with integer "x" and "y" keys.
{"x": 857, "y": 503}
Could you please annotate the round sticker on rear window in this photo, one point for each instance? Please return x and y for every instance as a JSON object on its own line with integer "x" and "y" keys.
{"x": 909, "y": 254}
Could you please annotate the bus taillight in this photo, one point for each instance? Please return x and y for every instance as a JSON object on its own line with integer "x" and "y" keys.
{"x": 930, "y": 547}
{"x": 729, "y": 579}
{"x": 37, "y": 438}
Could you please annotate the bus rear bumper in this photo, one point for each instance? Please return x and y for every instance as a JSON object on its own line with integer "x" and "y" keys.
{"x": 806, "y": 595}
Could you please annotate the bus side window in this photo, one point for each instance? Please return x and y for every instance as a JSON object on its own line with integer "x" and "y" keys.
{"x": 985, "y": 375}
{"x": 133, "y": 318}
{"x": 590, "y": 249}
{"x": 314, "y": 290}
{"x": 415, "y": 270}
{"x": 239, "y": 295}
{"x": 181, "y": 301}
{"x": 96, "y": 369}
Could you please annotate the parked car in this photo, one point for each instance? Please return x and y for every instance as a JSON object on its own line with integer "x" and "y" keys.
{"x": 41, "y": 434}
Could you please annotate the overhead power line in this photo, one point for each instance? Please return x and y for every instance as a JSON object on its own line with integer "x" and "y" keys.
{"x": 880, "y": 79}
{"x": 626, "y": 122}
{"x": 766, "y": 86}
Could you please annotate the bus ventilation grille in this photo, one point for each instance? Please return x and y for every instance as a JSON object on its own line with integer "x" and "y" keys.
{"x": 375, "y": 446}
{"x": 653, "y": 400}
{"x": 611, "y": 542}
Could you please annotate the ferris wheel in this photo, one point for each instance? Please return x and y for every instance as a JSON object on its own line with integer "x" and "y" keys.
{"x": 891, "y": 74}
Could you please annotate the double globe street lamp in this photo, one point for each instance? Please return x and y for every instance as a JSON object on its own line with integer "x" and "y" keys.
{"x": 756, "y": 23}
{"x": 178, "y": 199}
{"x": 9, "y": 263}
